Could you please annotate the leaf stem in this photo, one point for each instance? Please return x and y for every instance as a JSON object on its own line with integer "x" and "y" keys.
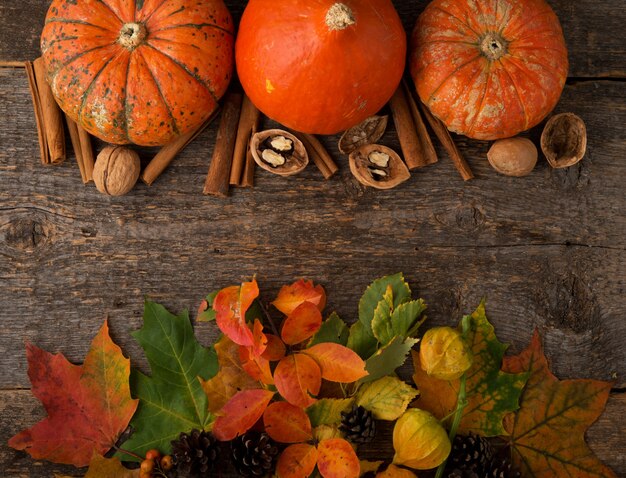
{"x": 461, "y": 401}
{"x": 269, "y": 319}
{"x": 129, "y": 453}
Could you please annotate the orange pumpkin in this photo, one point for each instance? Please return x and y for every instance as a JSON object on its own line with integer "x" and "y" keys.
{"x": 489, "y": 70}
{"x": 318, "y": 66}
{"x": 139, "y": 71}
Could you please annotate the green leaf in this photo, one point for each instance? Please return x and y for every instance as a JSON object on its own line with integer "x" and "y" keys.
{"x": 381, "y": 323}
{"x": 333, "y": 329}
{"x": 375, "y": 293}
{"x": 387, "y": 359}
{"x": 208, "y": 314}
{"x": 327, "y": 411}
{"x": 362, "y": 341}
{"x": 387, "y": 398}
{"x": 171, "y": 400}
{"x": 404, "y": 318}
{"x": 255, "y": 312}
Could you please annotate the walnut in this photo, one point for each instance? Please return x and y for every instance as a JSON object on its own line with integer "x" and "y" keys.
{"x": 378, "y": 166}
{"x": 279, "y": 152}
{"x": 564, "y": 140}
{"x": 368, "y": 132}
{"x": 513, "y": 156}
{"x": 116, "y": 170}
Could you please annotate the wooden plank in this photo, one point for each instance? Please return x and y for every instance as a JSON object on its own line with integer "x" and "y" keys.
{"x": 593, "y": 30}
{"x": 20, "y": 410}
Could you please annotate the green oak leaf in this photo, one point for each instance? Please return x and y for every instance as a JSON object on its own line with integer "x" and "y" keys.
{"x": 387, "y": 359}
{"x": 327, "y": 411}
{"x": 333, "y": 329}
{"x": 387, "y": 398}
{"x": 171, "y": 400}
{"x": 362, "y": 341}
{"x": 376, "y": 292}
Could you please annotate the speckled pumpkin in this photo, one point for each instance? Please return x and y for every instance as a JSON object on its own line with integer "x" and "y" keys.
{"x": 489, "y": 69}
{"x": 138, "y": 71}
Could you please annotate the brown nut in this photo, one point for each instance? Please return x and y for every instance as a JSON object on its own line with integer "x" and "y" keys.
{"x": 564, "y": 140}
{"x": 377, "y": 166}
{"x": 116, "y": 170}
{"x": 279, "y": 152}
{"x": 513, "y": 156}
{"x": 368, "y": 132}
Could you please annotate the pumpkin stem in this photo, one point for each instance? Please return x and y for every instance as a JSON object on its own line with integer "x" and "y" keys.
{"x": 132, "y": 35}
{"x": 493, "y": 46}
{"x": 339, "y": 17}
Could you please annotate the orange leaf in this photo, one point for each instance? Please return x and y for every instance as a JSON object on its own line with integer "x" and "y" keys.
{"x": 338, "y": 363}
{"x": 88, "y": 405}
{"x": 297, "y": 461}
{"x": 260, "y": 340}
{"x": 240, "y": 413}
{"x": 230, "y": 307}
{"x": 337, "y": 459}
{"x": 301, "y": 324}
{"x": 297, "y": 377}
{"x": 287, "y": 423}
{"x": 394, "y": 471}
{"x": 291, "y": 296}
{"x": 436, "y": 396}
{"x": 275, "y": 348}
{"x": 256, "y": 367}
{"x": 101, "y": 467}
{"x": 548, "y": 430}
{"x": 231, "y": 377}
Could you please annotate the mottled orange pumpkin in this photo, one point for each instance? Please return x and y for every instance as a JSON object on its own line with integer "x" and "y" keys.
{"x": 489, "y": 69}
{"x": 319, "y": 66}
{"x": 138, "y": 71}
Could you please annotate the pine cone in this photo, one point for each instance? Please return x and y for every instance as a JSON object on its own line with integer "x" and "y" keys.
{"x": 501, "y": 468}
{"x": 194, "y": 453}
{"x": 470, "y": 453}
{"x": 358, "y": 425}
{"x": 254, "y": 453}
{"x": 459, "y": 473}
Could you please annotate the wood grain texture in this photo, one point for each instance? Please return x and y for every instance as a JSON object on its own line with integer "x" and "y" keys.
{"x": 590, "y": 27}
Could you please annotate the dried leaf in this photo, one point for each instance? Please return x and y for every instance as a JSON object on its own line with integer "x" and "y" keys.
{"x": 297, "y": 461}
{"x": 291, "y": 296}
{"x": 287, "y": 423}
{"x": 101, "y": 467}
{"x": 337, "y": 363}
{"x": 240, "y": 413}
{"x": 231, "y": 377}
{"x": 333, "y": 329}
{"x": 259, "y": 338}
{"x": 88, "y": 406}
{"x": 230, "y": 307}
{"x": 387, "y": 398}
{"x": 548, "y": 431}
{"x": 302, "y": 323}
{"x": 275, "y": 349}
{"x": 387, "y": 359}
{"x": 394, "y": 471}
{"x": 327, "y": 411}
{"x": 491, "y": 393}
{"x": 257, "y": 367}
{"x": 337, "y": 459}
{"x": 370, "y": 466}
{"x": 297, "y": 377}
{"x": 326, "y": 432}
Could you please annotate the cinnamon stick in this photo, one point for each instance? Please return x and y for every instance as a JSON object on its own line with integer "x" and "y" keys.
{"x": 428, "y": 149}
{"x": 47, "y": 113}
{"x": 248, "y": 122}
{"x": 448, "y": 143}
{"x": 218, "y": 177}
{"x": 72, "y": 128}
{"x": 247, "y": 180}
{"x": 407, "y": 131}
{"x": 87, "y": 151}
{"x": 318, "y": 154}
{"x": 167, "y": 153}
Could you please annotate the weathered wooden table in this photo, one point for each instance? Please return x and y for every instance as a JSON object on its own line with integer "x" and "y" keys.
{"x": 547, "y": 251}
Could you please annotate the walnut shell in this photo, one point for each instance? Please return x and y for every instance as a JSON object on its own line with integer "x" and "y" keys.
{"x": 295, "y": 160}
{"x": 368, "y": 165}
{"x": 513, "y": 156}
{"x": 116, "y": 170}
{"x": 367, "y": 132}
{"x": 564, "y": 140}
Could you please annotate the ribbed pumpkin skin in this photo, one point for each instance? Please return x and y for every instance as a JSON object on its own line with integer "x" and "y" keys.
{"x": 163, "y": 88}
{"x": 472, "y": 92}
{"x": 312, "y": 79}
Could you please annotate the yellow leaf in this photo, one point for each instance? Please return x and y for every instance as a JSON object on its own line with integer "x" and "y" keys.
{"x": 387, "y": 398}
{"x": 394, "y": 471}
{"x": 101, "y": 467}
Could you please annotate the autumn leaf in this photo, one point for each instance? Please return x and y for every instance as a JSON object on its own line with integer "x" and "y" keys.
{"x": 88, "y": 406}
{"x": 101, "y": 467}
{"x": 387, "y": 359}
{"x": 259, "y": 338}
{"x": 231, "y": 377}
{"x": 337, "y": 363}
{"x": 333, "y": 329}
{"x": 205, "y": 310}
{"x": 257, "y": 367}
{"x": 291, "y": 296}
{"x": 337, "y": 459}
{"x": 286, "y": 423}
{"x": 491, "y": 393}
{"x": 547, "y": 434}
{"x": 297, "y": 461}
{"x": 327, "y": 411}
{"x": 230, "y": 307}
{"x": 370, "y": 466}
{"x": 387, "y": 398}
{"x": 173, "y": 392}
{"x": 240, "y": 413}
{"x": 297, "y": 378}
{"x": 302, "y": 323}
{"x": 275, "y": 349}
{"x": 394, "y": 471}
